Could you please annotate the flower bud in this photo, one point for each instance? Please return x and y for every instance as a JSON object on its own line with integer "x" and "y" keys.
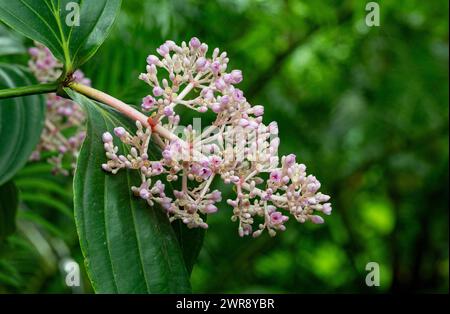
{"x": 210, "y": 209}
{"x": 158, "y": 91}
{"x": 145, "y": 194}
{"x": 195, "y": 43}
{"x": 120, "y": 131}
{"x": 236, "y": 76}
{"x": 258, "y": 110}
{"x": 317, "y": 219}
{"x": 107, "y": 137}
{"x": 152, "y": 59}
{"x": 201, "y": 64}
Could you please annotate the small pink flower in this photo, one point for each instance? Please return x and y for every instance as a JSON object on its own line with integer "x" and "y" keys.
{"x": 277, "y": 218}
{"x": 157, "y": 168}
{"x": 147, "y": 103}
{"x": 215, "y": 67}
{"x": 275, "y": 176}
{"x": 158, "y": 91}
{"x": 205, "y": 173}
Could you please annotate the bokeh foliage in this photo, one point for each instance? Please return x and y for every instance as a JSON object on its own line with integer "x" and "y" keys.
{"x": 365, "y": 108}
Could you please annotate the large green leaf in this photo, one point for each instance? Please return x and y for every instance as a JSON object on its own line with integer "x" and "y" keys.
{"x": 8, "y": 209}
{"x": 128, "y": 247}
{"x": 10, "y": 43}
{"x": 21, "y": 122}
{"x": 191, "y": 242}
{"x": 46, "y": 21}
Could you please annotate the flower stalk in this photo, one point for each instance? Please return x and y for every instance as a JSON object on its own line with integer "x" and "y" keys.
{"x": 122, "y": 107}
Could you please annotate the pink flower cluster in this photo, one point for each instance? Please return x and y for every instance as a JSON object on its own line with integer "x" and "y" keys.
{"x": 63, "y": 131}
{"x": 237, "y": 147}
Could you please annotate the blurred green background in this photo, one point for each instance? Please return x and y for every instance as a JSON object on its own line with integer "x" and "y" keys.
{"x": 365, "y": 108}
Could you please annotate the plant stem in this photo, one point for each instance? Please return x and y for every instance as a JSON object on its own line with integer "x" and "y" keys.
{"x": 29, "y": 90}
{"x": 124, "y": 108}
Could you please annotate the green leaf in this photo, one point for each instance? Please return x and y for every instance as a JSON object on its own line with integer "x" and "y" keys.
{"x": 128, "y": 246}
{"x": 21, "y": 122}
{"x": 9, "y": 200}
{"x": 191, "y": 242}
{"x": 54, "y": 23}
{"x": 10, "y": 44}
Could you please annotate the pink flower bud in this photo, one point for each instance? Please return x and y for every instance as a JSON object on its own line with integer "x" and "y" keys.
{"x": 163, "y": 50}
{"x": 273, "y": 128}
{"x": 152, "y": 59}
{"x": 158, "y": 91}
{"x": 258, "y": 110}
{"x": 322, "y": 197}
{"x": 243, "y": 122}
{"x": 107, "y": 137}
{"x": 62, "y": 149}
{"x": 215, "y": 67}
{"x": 228, "y": 78}
{"x": 216, "y": 196}
{"x": 34, "y": 52}
{"x": 216, "y": 108}
{"x": 167, "y": 154}
{"x": 210, "y": 209}
{"x": 204, "y": 48}
{"x": 168, "y": 111}
{"x": 195, "y": 43}
{"x": 120, "y": 131}
{"x": 145, "y": 194}
{"x": 208, "y": 94}
{"x": 236, "y": 75}
{"x": 201, "y": 64}
{"x": 238, "y": 95}
{"x": 220, "y": 84}
{"x": 326, "y": 209}
{"x": 202, "y": 109}
{"x": 290, "y": 160}
{"x": 317, "y": 219}
{"x": 224, "y": 100}
{"x": 253, "y": 124}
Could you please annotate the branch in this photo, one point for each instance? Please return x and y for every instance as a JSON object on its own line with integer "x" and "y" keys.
{"x": 29, "y": 90}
